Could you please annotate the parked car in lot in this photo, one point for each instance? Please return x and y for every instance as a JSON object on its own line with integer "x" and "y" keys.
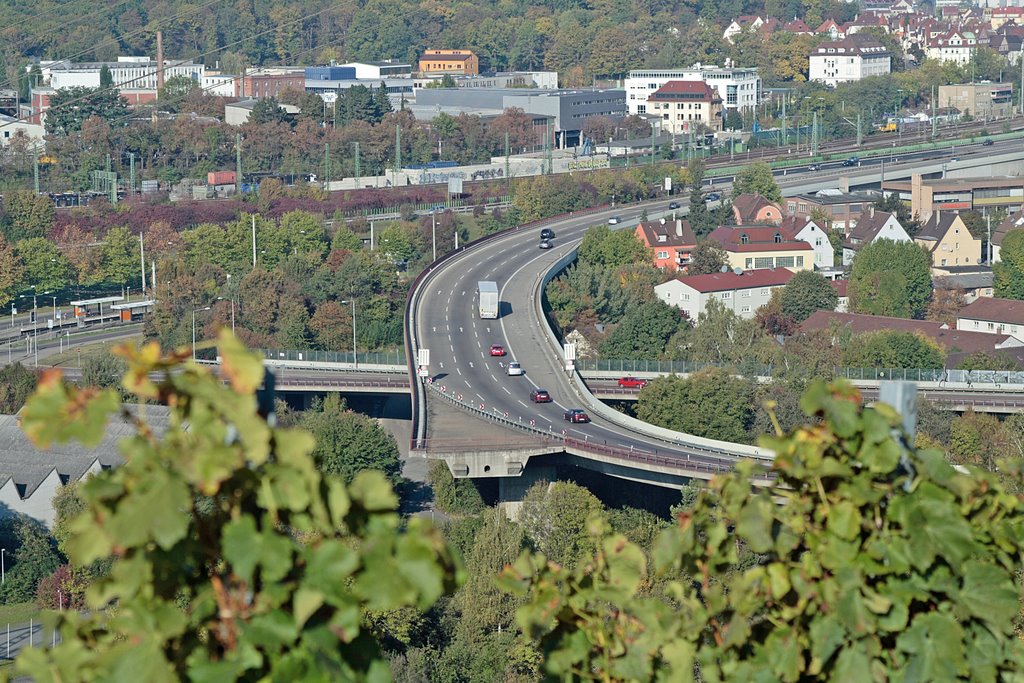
{"x": 575, "y": 415}
{"x": 547, "y": 234}
{"x": 673, "y": 205}
{"x": 514, "y": 369}
{"x": 540, "y": 396}
{"x": 545, "y": 244}
{"x": 614, "y": 220}
{"x": 632, "y": 382}
{"x": 712, "y": 197}
{"x": 497, "y": 350}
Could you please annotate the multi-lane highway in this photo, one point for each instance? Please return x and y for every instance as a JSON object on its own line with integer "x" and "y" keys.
{"x": 443, "y": 313}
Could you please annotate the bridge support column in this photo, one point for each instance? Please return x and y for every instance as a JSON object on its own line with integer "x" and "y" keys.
{"x": 512, "y": 490}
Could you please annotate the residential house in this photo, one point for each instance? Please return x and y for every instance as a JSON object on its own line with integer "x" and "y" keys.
{"x": 848, "y": 60}
{"x": 742, "y": 292}
{"x": 993, "y": 316}
{"x": 872, "y": 225}
{"x": 842, "y": 297}
{"x": 830, "y": 27}
{"x": 462, "y": 62}
{"x": 11, "y": 128}
{"x": 971, "y": 282}
{"x": 958, "y": 343}
{"x": 952, "y": 46}
{"x": 753, "y": 247}
{"x": 752, "y": 209}
{"x": 671, "y": 242}
{"x": 842, "y": 208}
{"x": 684, "y": 106}
{"x": 949, "y": 241}
{"x": 741, "y": 24}
{"x": 739, "y": 88}
{"x": 803, "y": 228}
{"x": 1015, "y": 221}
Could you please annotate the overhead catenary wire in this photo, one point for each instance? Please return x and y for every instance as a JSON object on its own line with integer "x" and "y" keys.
{"x": 160, "y": 67}
{"x": 130, "y": 34}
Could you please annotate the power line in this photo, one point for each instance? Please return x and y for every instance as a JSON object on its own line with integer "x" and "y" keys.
{"x": 160, "y": 67}
{"x": 148, "y": 28}
{"x": 59, "y": 8}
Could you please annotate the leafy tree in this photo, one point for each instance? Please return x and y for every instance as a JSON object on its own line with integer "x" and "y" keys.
{"x": 106, "y": 78}
{"x": 16, "y": 384}
{"x": 481, "y": 604}
{"x": 945, "y": 304}
{"x": 46, "y": 267}
{"x": 451, "y": 495}
{"x": 892, "y": 203}
{"x": 348, "y": 443}
{"x": 34, "y": 560}
{"x": 891, "y": 278}
{"x": 25, "y": 215}
{"x": 344, "y": 238}
{"x": 643, "y": 332}
{"x": 606, "y": 247}
{"x": 883, "y": 559}
{"x": 1008, "y": 271}
{"x": 980, "y": 360}
{"x": 806, "y": 293}
{"x": 893, "y": 349}
{"x": 119, "y": 260}
{"x": 554, "y": 518}
{"x": 103, "y": 370}
{"x": 709, "y": 257}
{"x": 711, "y": 403}
{"x": 10, "y": 272}
{"x": 267, "y": 110}
{"x": 235, "y": 558}
{"x": 175, "y": 91}
{"x": 71, "y": 107}
{"x": 756, "y": 178}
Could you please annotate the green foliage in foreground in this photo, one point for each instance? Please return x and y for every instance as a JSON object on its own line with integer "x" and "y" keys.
{"x": 881, "y": 563}
{"x": 235, "y": 559}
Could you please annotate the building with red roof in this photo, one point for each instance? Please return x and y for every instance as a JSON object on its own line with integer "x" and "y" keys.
{"x": 742, "y": 292}
{"x": 671, "y": 242}
{"x": 752, "y": 247}
{"x": 684, "y": 106}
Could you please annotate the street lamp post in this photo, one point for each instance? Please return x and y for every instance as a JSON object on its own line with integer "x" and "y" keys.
{"x": 433, "y": 232}
{"x": 3, "y": 568}
{"x": 355, "y": 357}
{"x": 232, "y": 300}
{"x": 194, "y": 311}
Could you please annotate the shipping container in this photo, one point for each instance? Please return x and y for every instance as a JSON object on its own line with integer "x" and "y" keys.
{"x": 220, "y": 178}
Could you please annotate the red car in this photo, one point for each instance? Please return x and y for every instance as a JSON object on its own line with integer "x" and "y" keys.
{"x": 632, "y": 382}
{"x": 540, "y": 396}
{"x": 576, "y": 415}
{"x": 497, "y": 350}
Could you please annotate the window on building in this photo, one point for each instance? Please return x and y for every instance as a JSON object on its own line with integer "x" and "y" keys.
{"x": 745, "y": 294}
{"x": 764, "y": 262}
{"x": 744, "y": 309}
{"x": 749, "y": 263}
{"x": 784, "y": 261}
{"x": 778, "y": 238}
{"x": 799, "y": 261}
{"x": 728, "y": 295}
{"x": 744, "y": 239}
{"x": 662, "y": 254}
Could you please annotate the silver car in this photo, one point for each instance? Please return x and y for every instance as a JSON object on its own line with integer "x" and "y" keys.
{"x": 514, "y": 369}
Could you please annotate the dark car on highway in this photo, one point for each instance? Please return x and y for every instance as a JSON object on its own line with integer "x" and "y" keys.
{"x": 547, "y": 234}
{"x": 988, "y": 142}
{"x": 712, "y": 197}
{"x": 673, "y": 205}
{"x": 852, "y": 161}
{"x": 540, "y": 396}
{"x": 575, "y": 415}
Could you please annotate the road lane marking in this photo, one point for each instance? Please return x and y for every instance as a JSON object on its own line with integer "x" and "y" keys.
{"x": 458, "y": 369}
{"x": 505, "y": 389}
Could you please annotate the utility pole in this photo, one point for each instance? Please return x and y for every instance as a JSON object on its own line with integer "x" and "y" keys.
{"x": 547, "y": 148}
{"x": 35, "y": 167}
{"x": 508, "y": 176}
{"x": 254, "y": 241}
{"x": 131, "y": 167}
{"x": 814, "y": 135}
{"x": 398, "y": 148}
{"x": 327, "y": 165}
{"x": 108, "y": 163}
{"x": 357, "y": 164}
{"x": 652, "y": 143}
{"x": 784, "y": 137}
{"x": 238, "y": 168}
{"x": 142, "y": 257}
{"x": 934, "y": 120}
{"x": 988, "y": 241}
{"x": 860, "y": 131}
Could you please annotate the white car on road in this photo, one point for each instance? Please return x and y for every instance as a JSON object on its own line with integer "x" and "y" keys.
{"x": 514, "y": 369}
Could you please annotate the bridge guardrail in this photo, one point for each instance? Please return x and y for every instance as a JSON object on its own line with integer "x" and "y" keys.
{"x": 547, "y": 438}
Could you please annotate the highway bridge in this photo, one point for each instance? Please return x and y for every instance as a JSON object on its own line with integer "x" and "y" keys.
{"x": 441, "y": 318}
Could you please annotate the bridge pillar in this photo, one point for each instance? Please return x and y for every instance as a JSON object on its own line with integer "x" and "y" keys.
{"x": 512, "y": 490}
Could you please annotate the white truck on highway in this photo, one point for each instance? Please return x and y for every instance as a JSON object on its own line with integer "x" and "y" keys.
{"x": 487, "y": 293}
